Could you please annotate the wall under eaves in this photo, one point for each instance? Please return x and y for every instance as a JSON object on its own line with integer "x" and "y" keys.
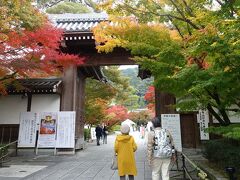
{"x": 12, "y": 105}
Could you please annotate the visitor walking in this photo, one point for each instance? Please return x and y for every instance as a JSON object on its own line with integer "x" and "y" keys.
{"x": 98, "y": 131}
{"x": 104, "y": 134}
{"x": 160, "y": 151}
{"x": 125, "y": 147}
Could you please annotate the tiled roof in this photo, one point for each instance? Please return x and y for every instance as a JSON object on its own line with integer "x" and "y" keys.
{"x": 38, "y": 86}
{"x": 77, "y": 22}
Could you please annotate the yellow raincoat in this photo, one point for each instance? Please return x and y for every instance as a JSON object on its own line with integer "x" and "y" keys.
{"x": 125, "y": 147}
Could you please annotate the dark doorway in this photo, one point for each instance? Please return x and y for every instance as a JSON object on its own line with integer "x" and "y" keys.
{"x": 189, "y": 130}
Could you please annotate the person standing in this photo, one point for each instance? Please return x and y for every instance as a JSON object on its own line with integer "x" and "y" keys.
{"x": 125, "y": 147}
{"x": 160, "y": 151}
{"x": 104, "y": 134}
{"x": 98, "y": 131}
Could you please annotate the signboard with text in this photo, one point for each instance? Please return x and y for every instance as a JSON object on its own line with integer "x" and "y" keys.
{"x": 66, "y": 130}
{"x": 27, "y": 129}
{"x": 55, "y": 129}
{"x": 171, "y": 122}
{"x": 93, "y": 133}
{"x": 203, "y": 120}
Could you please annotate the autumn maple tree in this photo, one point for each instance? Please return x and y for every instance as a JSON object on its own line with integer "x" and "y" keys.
{"x": 141, "y": 117}
{"x": 191, "y": 47}
{"x": 100, "y": 96}
{"x": 150, "y": 98}
{"x": 116, "y": 114}
{"x": 29, "y": 44}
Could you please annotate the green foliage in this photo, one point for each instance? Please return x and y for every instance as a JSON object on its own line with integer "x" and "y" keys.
{"x": 116, "y": 127}
{"x": 223, "y": 153}
{"x": 138, "y": 84}
{"x": 232, "y": 131}
{"x": 87, "y": 134}
{"x": 119, "y": 83}
{"x": 19, "y": 15}
{"x": 195, "y": 56}
{"x": 68, "y": 7}
{"x": 100, "y": 95}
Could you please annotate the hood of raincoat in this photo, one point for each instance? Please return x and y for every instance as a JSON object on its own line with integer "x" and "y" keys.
{"x": 123, "y": 138}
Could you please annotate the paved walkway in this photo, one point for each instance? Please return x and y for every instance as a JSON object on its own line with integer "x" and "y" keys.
{"x": 93, "y": 163}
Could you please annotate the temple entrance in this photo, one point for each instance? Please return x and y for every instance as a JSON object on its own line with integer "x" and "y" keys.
{"x": 80, "y": 40}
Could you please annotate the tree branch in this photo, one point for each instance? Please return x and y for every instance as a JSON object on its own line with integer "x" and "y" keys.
{"x": 211, "y": 110}
{"x": 164, "y": 15}
{"x": 189, "y": 10}
{"x": 183, "y": 16}
{"x": 222, "y": 110}
{"x": 177, "y": 28}
{"x": 8, "y": 76}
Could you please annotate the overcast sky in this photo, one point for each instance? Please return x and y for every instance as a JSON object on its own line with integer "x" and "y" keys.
{"x": 128, "y": 66}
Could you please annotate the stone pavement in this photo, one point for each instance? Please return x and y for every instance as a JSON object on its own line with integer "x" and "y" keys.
{"x": 93, "y": 163}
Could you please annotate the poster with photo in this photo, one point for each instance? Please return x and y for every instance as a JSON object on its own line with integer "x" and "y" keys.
{"x": 47, "y": 129}
{"x": 27, "y": 129}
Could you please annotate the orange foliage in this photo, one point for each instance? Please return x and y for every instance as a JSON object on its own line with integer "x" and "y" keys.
{"x": 32, "y": 54}
{"x": 116, "y": 114}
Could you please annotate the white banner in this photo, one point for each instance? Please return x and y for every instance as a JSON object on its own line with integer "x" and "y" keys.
{"x": 93, "y": 134}
{"x": 203, "y": 120}
{"x": 47, "y": 129}
{"x": 171, "y": 122}
{"x": 27, "y": 129}
{"x": 66, "y": 130}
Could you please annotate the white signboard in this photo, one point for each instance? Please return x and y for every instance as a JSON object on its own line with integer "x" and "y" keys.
{"x": 171, "y": 122}
{"x": 93, "y": 134}
{"x": 47, "y": 130}
{"x": 66, "y": 130}
{"x": 27, "y": 129}
{"x": 203, "y": 120}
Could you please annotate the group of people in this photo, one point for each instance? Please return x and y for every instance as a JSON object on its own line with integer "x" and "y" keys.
{"x": 101, "y": 133}
{"x": 160, "y": 150}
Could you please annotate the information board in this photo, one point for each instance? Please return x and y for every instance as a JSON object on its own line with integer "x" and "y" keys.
{"x": 27, "y": 129}
{"x": 47, "y": 129}
{"x": 203, "y": 120}
{"x": 93, "y": 133}
{"x": 66, "y": 130}
{"x": 171, "y": 122}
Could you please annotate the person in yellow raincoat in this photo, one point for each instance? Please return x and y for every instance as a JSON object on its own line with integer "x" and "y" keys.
{"x": 125, "y": 147}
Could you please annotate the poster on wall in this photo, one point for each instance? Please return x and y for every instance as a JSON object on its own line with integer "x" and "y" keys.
{"x": 203, "y": 120}
{"x": 47, "y": 129}
{"x": 27, "y": 129}
{"x": 171, "y": 122}
{"x": 66, "y": 130}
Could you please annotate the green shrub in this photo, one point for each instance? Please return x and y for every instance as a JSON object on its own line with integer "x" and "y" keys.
{"x": 232, "y": 131}
{"x": 87, "y": 134}
{"x": 223, "y": 153}
{"x": 116, "y": 128}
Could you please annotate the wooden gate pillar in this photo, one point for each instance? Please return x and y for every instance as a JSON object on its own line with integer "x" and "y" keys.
{"x": 72, "y": 99}
{"x": 163, "y": 103}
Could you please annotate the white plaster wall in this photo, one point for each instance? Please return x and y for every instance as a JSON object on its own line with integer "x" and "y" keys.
{"x": 10, "y": 108}
{"x": 234, "y": 117}
{"x": 45, "y": 103}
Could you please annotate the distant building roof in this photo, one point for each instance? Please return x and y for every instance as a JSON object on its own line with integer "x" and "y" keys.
{"x": 77, "y": 22}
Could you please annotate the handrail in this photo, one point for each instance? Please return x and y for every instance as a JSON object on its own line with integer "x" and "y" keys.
{"x": 4, "y": 153}
{"x": 8, "y": 144}
{"x": 201, "y": 174}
